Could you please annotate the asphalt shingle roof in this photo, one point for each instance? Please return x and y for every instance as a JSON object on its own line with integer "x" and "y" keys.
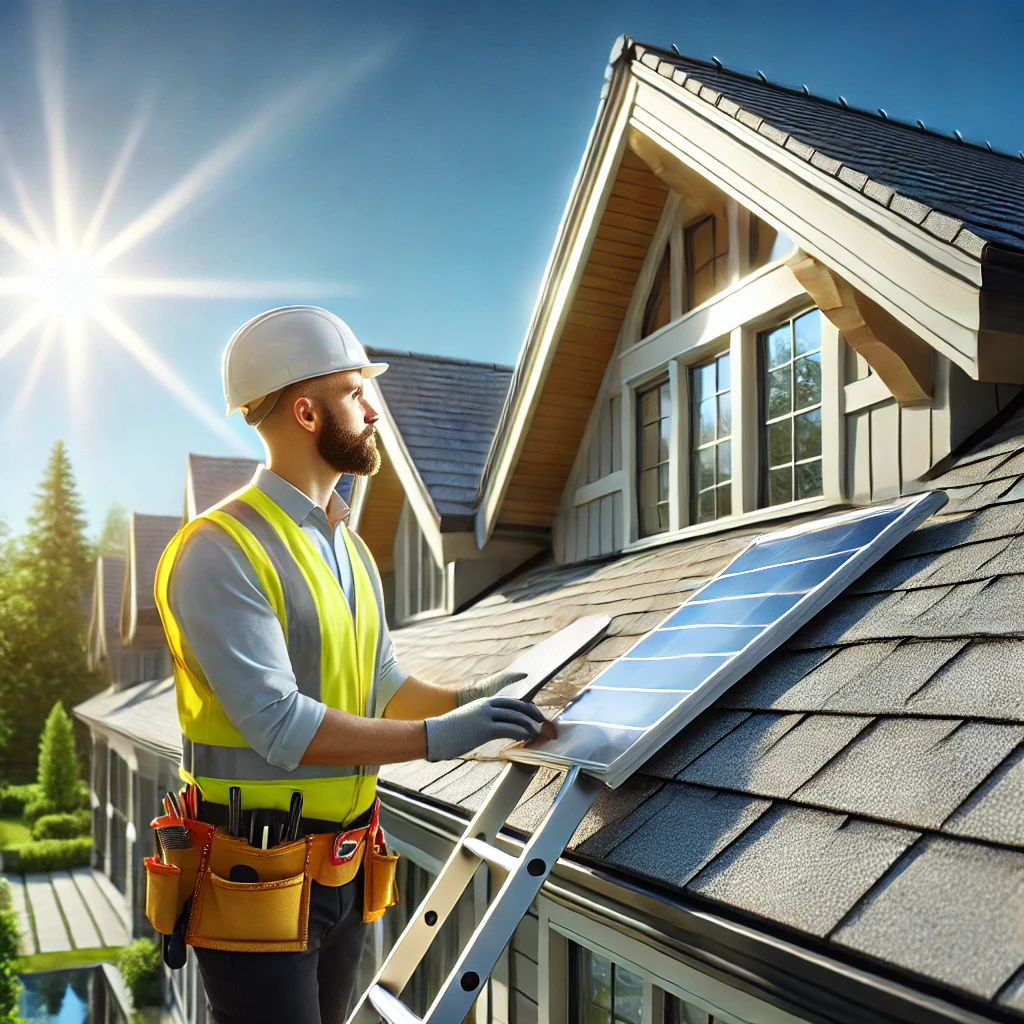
{"x": 862, "y": 786}
{"x": 912, "y": 171}
{"x": 446, "y": 411}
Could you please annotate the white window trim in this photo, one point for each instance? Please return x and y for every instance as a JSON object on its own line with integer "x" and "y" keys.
{"x": 404, "y": 566}
{"x": 558, "y": 925}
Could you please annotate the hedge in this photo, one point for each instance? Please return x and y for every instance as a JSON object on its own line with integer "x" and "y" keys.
{"x": 63, "y": 826}
{"x": 141, "y": 966}
{"x": 10, "y": 986}
{"x": 14, "y": 798}
{"x": 37, "y": 808}
{"x": 55, "y": 854}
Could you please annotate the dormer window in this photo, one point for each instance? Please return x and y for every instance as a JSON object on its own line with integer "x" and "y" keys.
{"x": 654, "y": 420}
{"x": 791, "y": 410}
{"x": 658, "y": 310}
{"x": 699, "y": 247}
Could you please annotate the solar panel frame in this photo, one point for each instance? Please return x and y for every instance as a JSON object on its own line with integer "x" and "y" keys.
{"x": 604, "y": 748}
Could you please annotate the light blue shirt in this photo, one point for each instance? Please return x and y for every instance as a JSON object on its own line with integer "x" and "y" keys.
{"x": 237, "y": 639}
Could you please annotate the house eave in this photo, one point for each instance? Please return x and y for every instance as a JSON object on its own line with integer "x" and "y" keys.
{"x": 812, "y": 983}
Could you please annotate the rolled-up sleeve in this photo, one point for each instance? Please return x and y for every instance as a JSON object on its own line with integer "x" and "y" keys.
{"x": 238, "y": 642}
{"x": 390, "y": 675}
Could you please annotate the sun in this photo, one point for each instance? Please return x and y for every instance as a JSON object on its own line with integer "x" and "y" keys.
{"x": 72, "y": 276}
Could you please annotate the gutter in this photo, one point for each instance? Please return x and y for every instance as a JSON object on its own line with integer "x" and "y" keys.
{"x": 811, "y": 983}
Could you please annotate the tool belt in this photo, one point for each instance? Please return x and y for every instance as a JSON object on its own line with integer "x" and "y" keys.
{"x": 189, "y": 889}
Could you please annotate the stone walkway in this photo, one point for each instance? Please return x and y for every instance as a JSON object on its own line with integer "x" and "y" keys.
{"x": 78, "y": 909}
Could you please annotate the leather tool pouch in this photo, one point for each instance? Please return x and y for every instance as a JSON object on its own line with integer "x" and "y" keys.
{"x": 171, "y": 878}
{"x": 379, "y": 867}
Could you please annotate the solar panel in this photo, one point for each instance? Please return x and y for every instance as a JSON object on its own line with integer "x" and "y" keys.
{"x": 771, "y": 589}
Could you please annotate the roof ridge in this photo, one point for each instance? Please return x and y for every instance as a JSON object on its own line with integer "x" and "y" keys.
{"x": 880, "y": 115}
{"x": 426, "y": 357}
{"x": 946, "y": 227}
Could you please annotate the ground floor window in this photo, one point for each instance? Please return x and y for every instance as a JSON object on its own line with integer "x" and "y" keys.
{"x": 601, "y": 991}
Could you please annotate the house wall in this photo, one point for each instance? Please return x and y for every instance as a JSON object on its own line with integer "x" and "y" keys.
{"x": 872, "y": 448}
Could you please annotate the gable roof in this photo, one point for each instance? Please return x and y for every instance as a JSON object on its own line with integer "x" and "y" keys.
{"x": 211, "y": 478}
{"x": 105, "y": 623}
{"x": 897, "y": 225}
{"x": 445, "y": 410}
{"x": 146, "y": 713}
{"x": 147, "y": 538}
{"x": 962, "y": 193}
{"x": 859, "y": 791}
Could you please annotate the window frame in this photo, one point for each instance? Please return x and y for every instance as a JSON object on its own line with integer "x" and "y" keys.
{"x": 693, "y": 493}
{"x": 410, "y": 550}
{"x": 689, "y": 230}
{"x": 653, "y": 382}
{"x": 760, "y": 335}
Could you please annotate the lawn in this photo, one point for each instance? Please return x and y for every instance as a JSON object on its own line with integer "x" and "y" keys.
{"x": 13, "y": 833}
{"x": 69, "y": 958}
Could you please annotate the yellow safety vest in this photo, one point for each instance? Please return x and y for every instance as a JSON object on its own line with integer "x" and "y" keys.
{"x": 333, "y": 657}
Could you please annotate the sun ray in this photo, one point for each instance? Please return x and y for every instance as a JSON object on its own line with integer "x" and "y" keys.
{"x": 154, "y": 364}
{"x": 110, "y": 189}
{"x": 21, "y": 241}
{"x": 25, "y": 204}
{"x": 19, "y": 285}
{"x": 50, "y": 68}
{"x": 20, "y": 329}
{"x": 202, "y": 288}
{"x": 36, "y": 368}
{"x": 315, "y": 91}
{"x": 75, "y": 347}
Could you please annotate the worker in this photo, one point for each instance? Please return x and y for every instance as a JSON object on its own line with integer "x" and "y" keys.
{"x": 286, "y": 675}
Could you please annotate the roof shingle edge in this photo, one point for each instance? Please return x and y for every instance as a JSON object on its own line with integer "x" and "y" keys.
{"x": 938, "y": 224}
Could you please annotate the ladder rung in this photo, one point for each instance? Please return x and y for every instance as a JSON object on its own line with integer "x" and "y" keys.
{"x": 491, "y": 854}
{"x": 392, "y": 1009}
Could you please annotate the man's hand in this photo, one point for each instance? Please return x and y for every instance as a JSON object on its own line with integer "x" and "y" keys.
{"x": 488, "y": 718}
{"x": 488, "y": 686}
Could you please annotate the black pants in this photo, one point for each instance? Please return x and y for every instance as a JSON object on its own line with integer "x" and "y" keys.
{"x": 314, "y": 987}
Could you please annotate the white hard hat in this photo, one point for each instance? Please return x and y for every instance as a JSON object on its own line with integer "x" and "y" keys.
{"x": 286, "y": 345}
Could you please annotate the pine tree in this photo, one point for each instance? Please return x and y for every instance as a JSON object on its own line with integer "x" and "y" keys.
{"x": 43, "y": 607}
{"x": 58, "y": 765}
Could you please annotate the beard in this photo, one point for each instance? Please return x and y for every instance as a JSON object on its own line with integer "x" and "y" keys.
{"x": 346, "y": 451}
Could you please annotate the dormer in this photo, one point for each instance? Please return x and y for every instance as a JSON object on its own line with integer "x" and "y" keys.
{"x": 759, "y": 304}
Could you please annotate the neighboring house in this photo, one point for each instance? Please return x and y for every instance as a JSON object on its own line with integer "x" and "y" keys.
{"x": 209, "y": 479}
{"x": 760, "y": 306}
{"x": 437, "y": 419}
{"x": 106, "y": 657}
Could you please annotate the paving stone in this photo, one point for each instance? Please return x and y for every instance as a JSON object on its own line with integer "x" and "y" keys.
{"x": 79, "y": 921}
{"x": 108, "y": 906}
{"x": 19, "y": 903}
{"x": 911, "y": 771}
{"x": 802, "y": 867}
{"x": 51, "y": 934}
{"x": 950, "y": 910}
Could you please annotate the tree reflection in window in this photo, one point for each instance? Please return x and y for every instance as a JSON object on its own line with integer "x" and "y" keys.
{"x": 791, "y": 410}
{"x": 602, "y": 991}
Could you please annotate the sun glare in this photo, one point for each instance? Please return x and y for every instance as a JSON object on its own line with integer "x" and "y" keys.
{"x": 68, "y": 277}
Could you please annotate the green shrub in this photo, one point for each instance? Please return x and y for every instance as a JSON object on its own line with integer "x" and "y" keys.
{"x": 10, "y": 987}
{"x": 37, "y": 808}
{"x": 14, "y": 798}
{"x": 58, "y": 764}
{"x": 84, "y": 800}
{"x": 55, "y": 854}
{"x": 140, "y": 965}
{"x": 5, "y": 894}
{"x": 63, "y": 826}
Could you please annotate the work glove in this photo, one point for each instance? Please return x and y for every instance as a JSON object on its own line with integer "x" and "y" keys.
{"x": 488, "y": 686}
{"x": 486, "y": 719}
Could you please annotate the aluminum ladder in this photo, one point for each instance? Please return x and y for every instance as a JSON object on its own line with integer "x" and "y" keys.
{"x": 523, "y": 878}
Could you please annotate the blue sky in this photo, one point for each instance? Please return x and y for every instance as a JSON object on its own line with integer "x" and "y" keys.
{"x": 421, "y": 174}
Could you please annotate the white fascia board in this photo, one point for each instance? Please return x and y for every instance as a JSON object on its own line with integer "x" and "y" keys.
{"x": 416, "y": 492}
{"x": 131, "y": 596}
{"x": 579, "y": 223}
{"x": 931, "y": 287}
{"x": 190, "y": 493}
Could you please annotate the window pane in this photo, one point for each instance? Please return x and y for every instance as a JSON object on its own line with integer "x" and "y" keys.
{"x": 706, "y": 415}
{"x": 724, "y": 500}
{"x": 724, "y": 459}
{"x": 780, "y": 486}
{"x": 778, "y": 346}
{"x": 597, "y": 979}
{"x": 724, "y": 379}
{"x": 808, "y": 479}
{"x": 807, "y": 371}
{"x": 807, "y": 331}
{"x": 657, "y": 311}
{"x": 703, "y": 286}
{"x": 629, "y": 996}
{"x": 779, "y": 399}
{"x": 649, "y": 405}
{"x": 663, "y": 516}
{"x": 663, "y": 440}
{"x": 780, "y": 450}
{"x": 808, "y": 435}
{"x": 705, "y": 468}
{"x": 725, "y": 414}
{"x": 650, "y": 444}
{"x": 663, "y": 481}
{"x": 595, "y": 1015}
{"x": 702, "y": 242}
{"x": 650, "y": 498}
{"x": 705, "y": 507}
{"x": 652, "y": 522}
{"x": 706, "y": 380}
{"x": 665, "y": 400}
